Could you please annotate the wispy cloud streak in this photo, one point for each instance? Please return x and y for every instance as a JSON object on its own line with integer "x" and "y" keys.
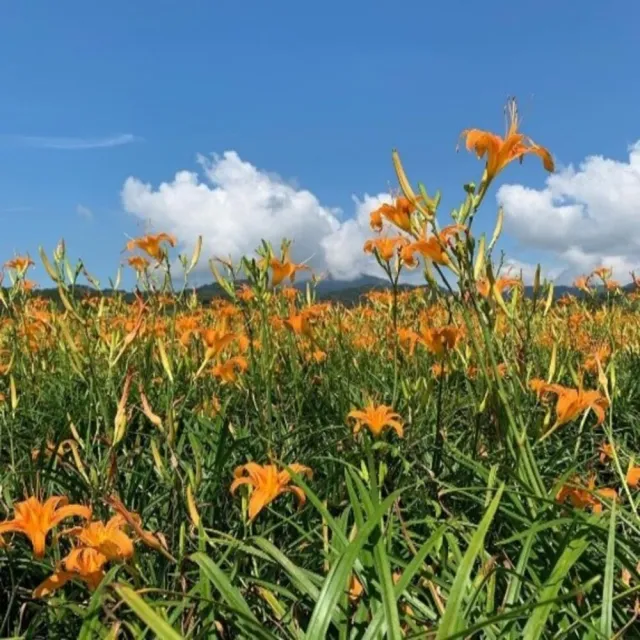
{"x": 72, "y": 143}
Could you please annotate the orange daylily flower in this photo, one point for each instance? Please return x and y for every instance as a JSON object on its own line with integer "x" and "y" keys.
{"x": 599, "y": 356}
{"x": 245, "y": 293}
{"x": 19, "y": 263}
{"x": 318, "y": 356}
{"x": 107, "y": 538}
{"x": 582, "y": 497}
{"x": 228, "y": 371}
{"x": 606, "y": 452}
{"x": 27, "y": 285}
{"x": 502, "y": 284}
{"x": 572, "y": 402}
{"x": 51, "y": 449}
{"x": 376, "y": 418}
{"x": 135, "y": 522}
{"x": 440, "y": 370}
{"x": 299, "y": 324}
{"x": 612, "y": 285}
{"x": 398, "y": 214}
{"x": 604, "y": 273}
{"x": 355, "y": 589}
{"x": 35, "y": 519}
{"x": 386, "y": 248}
{"x": 216, "y": 340}
{"x": 433, "y": 247}
{"x": 408, "y": 338}
{"x": 582, "y": 283}
{"x": 439, "y": 340}
{"x": 283, "y": 269}
{"x": 84, "y": 563}
{"x": 267, "y": 482}
{"x": 289, "y": 293}
{"x": 472, "y": 371}
{"x": 501, "y": 151}
{"x": 139, "y": 263}
{"x": 151, "y": 244}
{"x": 633, "y": 476}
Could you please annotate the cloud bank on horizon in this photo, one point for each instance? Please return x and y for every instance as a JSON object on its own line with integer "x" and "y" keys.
{"x": 583, "y": 217}
{"x": 234, "y": 206}
{"x": 580, "y": 219}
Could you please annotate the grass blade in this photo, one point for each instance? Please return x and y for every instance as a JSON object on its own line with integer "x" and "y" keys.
{"x": 158, "y": 625}
{"x": 537, "y": 622}
{"x": 606, "y": 615}
{"x": 450, "y": 620}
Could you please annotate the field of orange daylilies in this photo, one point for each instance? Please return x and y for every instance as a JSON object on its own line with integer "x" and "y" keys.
{"x": 456, "y": 460}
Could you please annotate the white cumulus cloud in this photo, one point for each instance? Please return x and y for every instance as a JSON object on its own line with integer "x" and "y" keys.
{"x": 234, "y": 205}
{"x": 583, "y": 217}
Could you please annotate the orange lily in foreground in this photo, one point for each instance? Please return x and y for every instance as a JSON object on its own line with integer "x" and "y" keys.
{"x": 572, "y": 402}
{"x": 19, "y": 263}
{"x": 107, "y": 538}
{"x": 376, "y": 418}
{"x": 501, "y": 284}
{"x": 501, "y": 151}
{"x": 84, "y": 563}
{"x": 582, "y": 283}
{"x": 267, "y": 482}
{"x": 135, "y": 522}
{"x": 398, "y": 214}
{"x": 606, "y": 452}
{"x": 439, "y": 340}
{"x": 282, "y": 269}
{"x": 152, "y": 244}
{"x": 604, "y": 273}
{"x": 385, "y": 248}
{"x": 228, "y": 371}
{"x": 582, "y": 497}
{"x": 633, "y": 476}
{"x": 35, "y": 519}
{"x": 139, "y": 263}
{"x": 216, "y": 340}
{"x": 433, "y": 247}
{"x": 299, "y": 324}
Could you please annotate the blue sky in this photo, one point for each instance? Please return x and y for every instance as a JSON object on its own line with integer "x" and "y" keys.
{"x": 318, "y": 93}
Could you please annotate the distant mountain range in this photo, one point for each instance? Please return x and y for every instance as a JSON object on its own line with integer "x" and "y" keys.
{"x": 345, "y": 291}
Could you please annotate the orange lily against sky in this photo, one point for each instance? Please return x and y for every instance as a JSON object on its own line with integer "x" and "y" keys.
{"x": 376, "y": 418}
{"x": 20, "y": 264}
{"x": 398, "y": 214}
{"x": 501, "y": 151}
{"x": 501, "y": 284}
{"x": 151, "y": 244}
{"x": 582, "y": 283}
{"x": 267, "y": 482}
{"x": 432, "y": 247}
{"x": 139, "y": 263}
{"x": 35, "y": 519}
{"x": 385, "y": 248}
{"x": 604, "y": 273}
{"x": 281, "y": 269}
